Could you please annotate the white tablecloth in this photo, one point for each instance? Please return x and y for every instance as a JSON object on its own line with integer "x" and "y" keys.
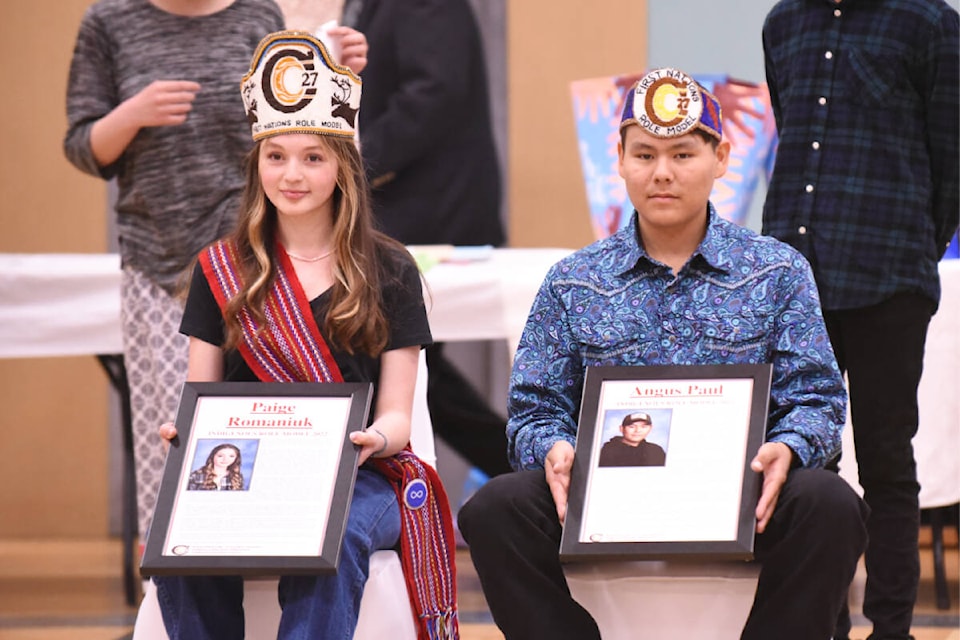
{"x": 59, "y": 305}
{"x": 69, "y": 304}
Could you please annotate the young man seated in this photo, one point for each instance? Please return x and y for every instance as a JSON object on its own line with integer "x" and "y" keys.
{"x": 678, "y": 286}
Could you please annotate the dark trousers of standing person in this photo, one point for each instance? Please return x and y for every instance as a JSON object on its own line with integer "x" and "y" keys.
{"x": 462, "y": 418}
{"x": 880, "y": 348}
{"x": 808, "y": 557}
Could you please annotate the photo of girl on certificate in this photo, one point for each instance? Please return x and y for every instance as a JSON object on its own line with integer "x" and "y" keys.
{"x": 631, "y": 448}
{"x": 222, "y": 470}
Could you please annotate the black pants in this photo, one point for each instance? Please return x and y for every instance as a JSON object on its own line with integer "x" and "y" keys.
{"x": 881, "y": 350}
{"x": 808, "y": 557}
{"x": 462, "y": 418}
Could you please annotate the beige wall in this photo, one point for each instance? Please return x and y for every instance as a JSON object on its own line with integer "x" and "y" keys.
{"x": 53, "y": 429}
{"x": 549, "y": 44}
{"x": 53, "y": 480}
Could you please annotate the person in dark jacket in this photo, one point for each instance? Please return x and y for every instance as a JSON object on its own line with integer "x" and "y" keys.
{"x": 427, "y": 143}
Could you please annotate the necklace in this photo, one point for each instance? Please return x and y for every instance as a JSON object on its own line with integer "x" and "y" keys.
{"x": 317, "y": 259}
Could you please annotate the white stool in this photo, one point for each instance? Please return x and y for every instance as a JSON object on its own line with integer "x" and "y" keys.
{"x": 656, "y": 599}
{"x": 385, "y": 606}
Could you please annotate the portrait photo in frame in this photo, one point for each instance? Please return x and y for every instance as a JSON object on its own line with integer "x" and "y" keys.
{"x": 675, "y": 482}
{"x": 258, "y": 480}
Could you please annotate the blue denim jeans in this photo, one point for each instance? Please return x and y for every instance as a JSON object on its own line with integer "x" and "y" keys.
{"x": 323, "y": 607}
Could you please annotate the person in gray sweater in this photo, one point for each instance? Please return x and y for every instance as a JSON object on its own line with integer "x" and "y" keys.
{"x": 152, "y": 103}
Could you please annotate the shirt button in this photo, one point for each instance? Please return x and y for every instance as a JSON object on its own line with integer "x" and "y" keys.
{"x": 828, "y": 55}
{"x": 809, "y": 188}
{"x": 837, "y": 13}
{"x": 815, "y": 145}
{"x": 802, "y": 230}
{"x": 822, "y": 101}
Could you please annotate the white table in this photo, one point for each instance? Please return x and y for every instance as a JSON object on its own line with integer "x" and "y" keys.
{"x": 69, "y": 304}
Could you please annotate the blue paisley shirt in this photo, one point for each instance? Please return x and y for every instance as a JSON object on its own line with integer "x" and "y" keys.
{"x": 742, "y": 298}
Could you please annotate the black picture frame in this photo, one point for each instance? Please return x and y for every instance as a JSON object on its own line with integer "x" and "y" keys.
{"x": 287, "y": 510}
{"x": 696, "y": 499}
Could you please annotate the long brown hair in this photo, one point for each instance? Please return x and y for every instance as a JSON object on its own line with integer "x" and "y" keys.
{"x": 355, "y": 320}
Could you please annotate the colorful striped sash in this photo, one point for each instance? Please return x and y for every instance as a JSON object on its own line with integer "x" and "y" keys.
{"x": 427, "y": 546}
{"x": 290, "y": 349}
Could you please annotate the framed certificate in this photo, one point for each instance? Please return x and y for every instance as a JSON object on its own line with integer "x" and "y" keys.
{"x": 662, "y": 464}
{"x": 258, "y": 480}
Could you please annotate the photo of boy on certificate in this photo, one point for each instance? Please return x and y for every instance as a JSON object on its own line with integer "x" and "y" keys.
{"x": 633, "y": 446}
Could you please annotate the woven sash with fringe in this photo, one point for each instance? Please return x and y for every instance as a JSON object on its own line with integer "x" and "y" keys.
{"x": 426, "y": 545}
{"x": 291, "y": 349}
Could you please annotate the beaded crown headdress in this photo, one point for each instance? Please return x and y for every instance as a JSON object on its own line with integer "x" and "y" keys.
{"x": 294, "y": 86}
{"x": 667, "y": 103}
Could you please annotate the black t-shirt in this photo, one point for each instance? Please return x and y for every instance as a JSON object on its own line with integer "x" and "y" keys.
{"x": 403, "y": 307}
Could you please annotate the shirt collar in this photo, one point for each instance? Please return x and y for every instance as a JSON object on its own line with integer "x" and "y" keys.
{"x": 631, "y": 253}
{"x": 710, "y": 249}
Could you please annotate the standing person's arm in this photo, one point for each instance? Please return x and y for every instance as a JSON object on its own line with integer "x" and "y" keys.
{"x": 353, "y": 48}
{"x": 162, "y": 103}
{"x": 92, "y": 93}
{"x": 943, "y": 136}
{"x": 100, "y": 124}
{"x": 772, "y": 86}
{"x": 437, "y": 45}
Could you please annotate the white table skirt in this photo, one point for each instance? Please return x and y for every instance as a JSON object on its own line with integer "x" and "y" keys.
{"x": 69, "y": 304}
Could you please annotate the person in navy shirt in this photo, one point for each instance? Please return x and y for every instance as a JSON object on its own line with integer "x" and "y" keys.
{"x": 865, "y": 186}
